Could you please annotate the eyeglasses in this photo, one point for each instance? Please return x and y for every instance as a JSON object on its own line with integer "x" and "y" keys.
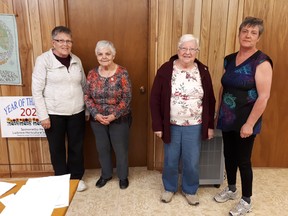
{"x": 185, "y": 49}
{"x": 68, "y": 42}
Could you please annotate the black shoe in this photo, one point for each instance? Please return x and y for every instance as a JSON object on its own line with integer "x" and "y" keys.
{"x": 101, "y": 182}
{"x": 123, "y": 184}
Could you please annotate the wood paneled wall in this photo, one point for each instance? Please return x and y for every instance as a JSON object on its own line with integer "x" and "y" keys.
{"x": 216, "y": 24}
{"x": 35, "y": 20}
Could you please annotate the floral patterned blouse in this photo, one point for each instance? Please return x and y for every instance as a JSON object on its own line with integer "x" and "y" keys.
{"x": 108, "y": 95}
{"x": 186, "y": 97}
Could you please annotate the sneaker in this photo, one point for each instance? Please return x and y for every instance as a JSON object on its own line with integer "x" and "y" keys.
{"x": 166, "y": 196}
{"x": 242, "y": 208}
{"x": 225, "y": 195}
{"x": 81, "y": 186}
{"x": 192, "y": 199}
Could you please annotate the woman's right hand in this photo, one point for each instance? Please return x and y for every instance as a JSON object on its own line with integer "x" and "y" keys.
{"x": 46, "y": 124}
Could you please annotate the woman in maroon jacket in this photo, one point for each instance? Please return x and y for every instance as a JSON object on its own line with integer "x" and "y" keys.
{"x": 182, "y": 108}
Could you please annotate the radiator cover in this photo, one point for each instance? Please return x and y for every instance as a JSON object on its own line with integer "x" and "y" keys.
{"x": 212, "y": 161}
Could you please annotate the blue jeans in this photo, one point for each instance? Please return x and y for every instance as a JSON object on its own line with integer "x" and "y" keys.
{"x": 185, "y": 145}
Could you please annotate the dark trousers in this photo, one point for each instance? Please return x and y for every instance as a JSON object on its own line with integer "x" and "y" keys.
{"x": 74, "y": 128}
{"x": 237, "y": 153}
{"x": 116, "y": 136}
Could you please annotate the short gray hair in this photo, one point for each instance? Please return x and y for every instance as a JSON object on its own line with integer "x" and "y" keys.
{"x": 105, "y": 44}
{"x": 188, "y": 37}
{"x": 60, "y": 29}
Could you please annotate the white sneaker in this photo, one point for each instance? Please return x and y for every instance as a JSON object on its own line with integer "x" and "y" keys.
{"x": 192, "y": 199}
{"x": 225, "y": 195}
{"x": 166, "y": 196}
{"x": 81, "y": 186}
{"x": 241, "y": 209}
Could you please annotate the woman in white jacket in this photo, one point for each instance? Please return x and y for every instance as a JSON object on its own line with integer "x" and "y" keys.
{"x": 57, "y": 81}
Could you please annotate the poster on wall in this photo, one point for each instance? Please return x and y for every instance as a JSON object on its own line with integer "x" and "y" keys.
{"x": 19, "y": 118}
{"x": 10, "y": 71}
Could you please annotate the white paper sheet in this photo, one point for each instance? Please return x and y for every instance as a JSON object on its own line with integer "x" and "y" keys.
{"x": 40, "y": 196}
{"x": 7, "y": 199}
{"x": 5, "y": 186}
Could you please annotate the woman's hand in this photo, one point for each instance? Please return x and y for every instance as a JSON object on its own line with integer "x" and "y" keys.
{"x": 158, "y": 133}
{"x": 246, "y": 130}
{"x": 46, "y": 124}
{"x": 110, "y": 118}
{"x": 210, "y": 133}
{"x": 102, "y": 119}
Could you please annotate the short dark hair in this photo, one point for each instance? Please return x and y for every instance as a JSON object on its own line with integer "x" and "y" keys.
{"x": 252, "y": 21}
{"x": 60, "y": 29}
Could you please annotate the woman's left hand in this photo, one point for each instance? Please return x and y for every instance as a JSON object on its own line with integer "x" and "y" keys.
{"x": 110, "y": 118}
{"x": 246, "y": 130}
{"x": 210, "y": 133}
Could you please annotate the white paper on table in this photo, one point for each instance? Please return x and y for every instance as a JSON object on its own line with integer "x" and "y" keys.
{"x": 40, "y": 196}
{"x": 5, "y": 186}
{"x": 60, "y": 185}
{"x": 7, "y": 199}
{"x": 27, "y": 202}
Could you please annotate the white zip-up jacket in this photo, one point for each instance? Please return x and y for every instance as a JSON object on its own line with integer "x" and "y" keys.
{"x": 55, "y": 89}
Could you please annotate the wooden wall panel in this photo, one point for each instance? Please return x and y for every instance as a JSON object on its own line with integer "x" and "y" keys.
{"x": 6, "y": 7}
{"x": 189, "y": 14}
{"x": 165, "y": 17}
{"x": 197, "y": 19}
{"x": 35, "y": 20}
{"x": 35, "y": 29}
{"x": 4, "y": 159}
{"x": 60, "y": 12}
{"x": 217, "y": 41}
{"x": 232, "y": 27}
{"x": 152, "y": 66}
{"x": 205, "y": 30}
{"x": 47, "y": 17}
{"x": 24, "y": 44}
{"x": 177, "y": 23}
{"x": 271, "y": 145}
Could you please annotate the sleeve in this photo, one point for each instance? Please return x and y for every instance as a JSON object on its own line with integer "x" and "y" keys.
{"x": 89, "y": 101}
{"x": 212, "y": 102}
{"x": 123, "y": 106}
{"x": 83, "y": 81}
{"x": 155, "y": 104}
{"x": 38, "y": 86}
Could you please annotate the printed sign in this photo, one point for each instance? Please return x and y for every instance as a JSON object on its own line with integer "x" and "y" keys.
{"x": 19, "y": 118}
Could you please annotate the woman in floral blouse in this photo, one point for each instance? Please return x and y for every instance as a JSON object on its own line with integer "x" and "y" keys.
{"x": 107, "y": 97}
{"x": 182, "y": 108}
